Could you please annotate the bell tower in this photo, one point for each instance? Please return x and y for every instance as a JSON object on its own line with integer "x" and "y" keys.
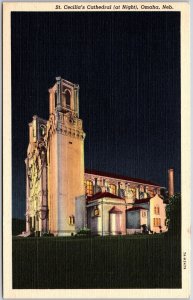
{"x": 65, "y": 156}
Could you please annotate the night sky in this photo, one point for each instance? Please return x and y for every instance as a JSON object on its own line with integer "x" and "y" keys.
{"x": 128, "y": 67}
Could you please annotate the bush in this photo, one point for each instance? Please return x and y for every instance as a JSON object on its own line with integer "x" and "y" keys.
{"x": 48, "y": 234}
{"x": 173, "y": 214}
{"x": 84, "y": 231}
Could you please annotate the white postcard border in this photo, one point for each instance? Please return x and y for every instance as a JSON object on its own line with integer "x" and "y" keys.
{"x": 185, "y": 162}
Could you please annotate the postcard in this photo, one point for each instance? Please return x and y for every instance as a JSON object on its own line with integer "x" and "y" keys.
{"x": 96, "y": 150}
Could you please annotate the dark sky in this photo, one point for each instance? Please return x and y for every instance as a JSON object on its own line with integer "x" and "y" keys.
{"x": 128, "y": 67}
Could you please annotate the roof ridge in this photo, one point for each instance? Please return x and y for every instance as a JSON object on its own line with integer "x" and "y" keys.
{"x": 103, "y": 195}
{"x": 107, "y": 174}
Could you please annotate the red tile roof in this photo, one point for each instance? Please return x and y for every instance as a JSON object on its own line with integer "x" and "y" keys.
{"x": 115, "y": 210}
{"x": 103, "y": 195}
{"x": 144, "y": 200}
{"x": 135, "y": 208}
{"x": 105, "y": 174}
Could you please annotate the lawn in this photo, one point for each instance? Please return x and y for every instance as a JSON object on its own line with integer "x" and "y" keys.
{"x": 138, "y": 261}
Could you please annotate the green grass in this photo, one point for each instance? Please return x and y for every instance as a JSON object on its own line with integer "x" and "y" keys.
{"x": 137, "y": 261}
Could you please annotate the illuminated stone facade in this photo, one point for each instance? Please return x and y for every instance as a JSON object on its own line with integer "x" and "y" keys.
{"x": 56, "y": 177}
{"x": 61, "y": 196}
{"x": 36, "y": 177}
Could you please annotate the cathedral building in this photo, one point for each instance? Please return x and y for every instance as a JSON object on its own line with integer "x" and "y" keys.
{"x": 63, "y": 198}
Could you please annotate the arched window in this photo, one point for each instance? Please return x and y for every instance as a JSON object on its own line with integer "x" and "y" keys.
{"x": 112, "y": 188}
{"x": 56, "y": 96}
{"x": 156, "y": 210}
{"x": 89, "y": 188}
{"x": 67, "y": 93}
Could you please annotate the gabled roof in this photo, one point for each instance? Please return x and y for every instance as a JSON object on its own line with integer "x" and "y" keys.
{"x": 144, "y": 200}
{"x": 105, "y": 174}
{"x": 135, "y": 208}
{"x": 103, "y": 195}
{"x": 115, "y": 210}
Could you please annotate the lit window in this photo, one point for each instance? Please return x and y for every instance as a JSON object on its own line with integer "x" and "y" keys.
{"x": 88, "y": 187}
{"x": 156, "y": 222}
{"x": 112, "y": 189}
{"x": 156, "y": 210}
{"x": 71, "y": 220}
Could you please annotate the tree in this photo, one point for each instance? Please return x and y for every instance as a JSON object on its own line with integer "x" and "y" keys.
{"x": 173, "y": 214}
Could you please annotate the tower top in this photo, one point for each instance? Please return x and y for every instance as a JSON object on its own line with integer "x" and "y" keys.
{"x": 63, "y": 82}
{"x": 64, "y": 96}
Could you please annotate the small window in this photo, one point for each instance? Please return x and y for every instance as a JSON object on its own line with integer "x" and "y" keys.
{"x": 156, "y": 210}
{"x": 71, "y": 220}
{"x": 156, "y": 222}
{"x": 88, "y": 187}
{"x": 34, "y": 132}
{"x": 56, "y": 96}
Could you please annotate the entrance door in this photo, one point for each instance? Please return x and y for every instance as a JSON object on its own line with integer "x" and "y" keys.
{"x": 115, "y": 223}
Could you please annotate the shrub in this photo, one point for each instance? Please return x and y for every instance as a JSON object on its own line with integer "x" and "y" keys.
{"x": 84, "y": 231}
{"x": 173, "y": 214}
{"x": 48, "y": 234}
